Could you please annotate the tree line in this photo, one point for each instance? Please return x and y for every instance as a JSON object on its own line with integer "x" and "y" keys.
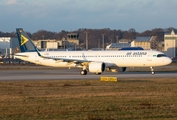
{"x": 95, "y": 35}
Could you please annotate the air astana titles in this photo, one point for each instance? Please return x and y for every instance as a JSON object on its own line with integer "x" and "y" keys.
{"x": 136, "y": 53}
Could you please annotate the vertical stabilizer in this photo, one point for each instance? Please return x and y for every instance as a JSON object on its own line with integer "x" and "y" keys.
{"x": 26, "y": 45}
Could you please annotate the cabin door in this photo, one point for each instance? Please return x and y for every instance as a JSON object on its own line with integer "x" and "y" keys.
{"x": 149, "y": 57}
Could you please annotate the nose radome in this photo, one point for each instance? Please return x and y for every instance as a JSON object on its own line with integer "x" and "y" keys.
{"x": 168, "y": 61}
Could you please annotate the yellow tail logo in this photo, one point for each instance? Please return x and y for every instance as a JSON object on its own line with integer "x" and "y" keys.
{"x": 23, "y": 40}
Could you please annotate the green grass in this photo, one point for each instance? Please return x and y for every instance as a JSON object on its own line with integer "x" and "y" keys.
{"x": 126, "y": 99}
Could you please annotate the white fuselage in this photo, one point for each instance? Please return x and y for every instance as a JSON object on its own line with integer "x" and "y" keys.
{"x": 126, "y": 58}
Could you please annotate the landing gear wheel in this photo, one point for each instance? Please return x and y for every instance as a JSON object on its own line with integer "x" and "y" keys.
{"x": 83, "y": 72}
{"x": 152, "y": 71}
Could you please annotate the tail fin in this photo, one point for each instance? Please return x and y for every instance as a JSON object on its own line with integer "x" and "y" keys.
{"x": 24, "y": 41}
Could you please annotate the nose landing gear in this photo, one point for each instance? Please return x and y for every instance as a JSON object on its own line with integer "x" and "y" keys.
{"x": 152, "y": 71}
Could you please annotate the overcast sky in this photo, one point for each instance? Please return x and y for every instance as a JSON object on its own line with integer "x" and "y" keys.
{"x": 57, "y": 15}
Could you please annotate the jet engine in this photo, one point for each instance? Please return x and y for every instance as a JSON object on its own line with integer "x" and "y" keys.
{"x": 97, "y": 67}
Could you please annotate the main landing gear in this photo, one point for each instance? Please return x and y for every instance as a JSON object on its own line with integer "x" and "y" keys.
{"x": 83, "y": 72}
{"x": 152, "y": 71}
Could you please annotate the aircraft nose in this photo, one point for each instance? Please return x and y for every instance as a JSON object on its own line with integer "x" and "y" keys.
{"x": 168, "y": 61}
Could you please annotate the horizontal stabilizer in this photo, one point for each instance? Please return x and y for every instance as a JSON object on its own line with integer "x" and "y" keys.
{"x": 21, "y": 55}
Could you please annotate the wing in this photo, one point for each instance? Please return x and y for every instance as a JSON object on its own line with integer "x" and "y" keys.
{"x": 70, "y": 61}
{"x": 83, "y": 62}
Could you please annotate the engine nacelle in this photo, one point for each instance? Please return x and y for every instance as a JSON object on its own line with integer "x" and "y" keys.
{"x": 97, "y": 67}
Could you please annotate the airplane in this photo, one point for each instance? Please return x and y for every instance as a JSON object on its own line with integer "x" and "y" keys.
{"x": 93, "y": 61}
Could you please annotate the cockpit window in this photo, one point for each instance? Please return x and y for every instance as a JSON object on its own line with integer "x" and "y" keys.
{"x": 161, "y": 55}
